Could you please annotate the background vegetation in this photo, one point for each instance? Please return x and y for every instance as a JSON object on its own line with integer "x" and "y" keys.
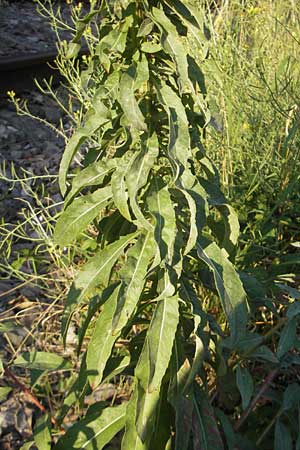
{"x": 251, "y": 71}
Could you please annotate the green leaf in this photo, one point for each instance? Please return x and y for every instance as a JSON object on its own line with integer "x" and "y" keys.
{"x": 102, "y": 341}
{"x": 160, "y": 338}
{"x": 161, "y": 207}
{"x": 228, "y": 285}
{"x": 131, "y": 439}
{"x": 118, "y": 185}
{"x": 42, "y": 433}
{"x": 171, "y": 43}
{"x": 27, "y": 445}
{"x": 179, "y": 138}
{"x": 41, "y": 361}
{"x": 293, "y": 310}
{"x": 287, "y": 337}
{"x": 133, "y": 276}
{"x": 4, "y": 391}
{"x": 128, "y": 101}
{"x": 245, "y": 385}
{"x": 145, "y": 28}
{"x": 192, "y": 19}
{"x": 92, "y": 175}
{"x": 95, "y": 118}
{"x": 94, "y": 431}
{"x": 79, "y": 214}
{"x": 95, "y": 272}
{"x": 291, "y": 397}
{"x": 264, "y": 353}
{"x": 153, "y": 363}
{"x": 282, "y": 437}
{"x": 93, "y": 306}
{"x": 205, "y": 429}
{"x": 231, "y": 229}
{"x": 137, "y": 177}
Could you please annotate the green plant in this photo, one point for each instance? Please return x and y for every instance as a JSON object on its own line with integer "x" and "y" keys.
{"x": 158, "y": 213}
{"x": 155, "y": 242}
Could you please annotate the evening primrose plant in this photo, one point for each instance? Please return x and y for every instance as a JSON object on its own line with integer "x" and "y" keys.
{"x": 151, "y": 194}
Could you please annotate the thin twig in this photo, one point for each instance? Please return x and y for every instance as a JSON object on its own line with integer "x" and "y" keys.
{"x": 31, "y": 397}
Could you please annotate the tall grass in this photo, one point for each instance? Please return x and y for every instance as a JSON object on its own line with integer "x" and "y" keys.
{"x": 254, "y": 93}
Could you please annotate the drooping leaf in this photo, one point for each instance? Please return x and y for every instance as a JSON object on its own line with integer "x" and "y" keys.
{"x": 95, "y": 272}
{"x": 92, "y": 175}
{"x": 131, "y": 439}
{"x": 228, "y": 285}
{"x": 179, "y": 139}
{"x": 79, "y": 214}
{"x": 94, "y": 431}
{"x": 162, "y": 208}
{"x": 282, "y": 437}
{"x": 137, "y": 176}
{"x": 291, "y": 397}
{"x": 245, "y": 385}
{"x": 206, "y": 434}
{"x": 160, "y": 338}
{"x": 287, "y": 337}
{"x": 41, "y": 361}
{"x": 102, "y": 341}
{"x": 128, "y": 100}
{"x": 133, "y": 276}
{"x": 172, "y": 44}
{"x": 118, "y": 185}
{"x": 98, "y": 116}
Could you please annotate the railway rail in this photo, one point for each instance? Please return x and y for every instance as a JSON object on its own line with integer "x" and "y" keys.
{"x": 18, "y": 73}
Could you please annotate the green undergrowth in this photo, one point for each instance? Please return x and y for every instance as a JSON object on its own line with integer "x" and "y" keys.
{"x": 158, "y": 289}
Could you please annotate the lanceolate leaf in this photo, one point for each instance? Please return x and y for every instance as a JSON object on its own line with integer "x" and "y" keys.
{"x": 161, "y": 207}
{"x": 95, "y": 272}
{"x": 245, "y": 385}
{"x": 172, "y": 44}
{"x": 79, "y": 214}
{"x": 133, "y": 276}
{"x": 228, "y": 285}
{"x": 118, "y": 185}
{"x": 128, "y": 101}
{"x": 160, "y": 339}
{"x": 90, "y": 176}
{"x": 287, "y": 337}
{"x": 179, "y": 139}
{"x": 97, "y": 429}
{"x": 98, "y": 115}
{"x": 131, "y": 439}
{"x": 102, "y": 341}
{"x": 191, "y": 17}
{"x": 138, "y": 174}
{"x": 206, "y": 434}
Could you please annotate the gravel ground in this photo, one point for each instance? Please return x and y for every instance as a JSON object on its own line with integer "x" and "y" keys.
{"x": 24, "y": 32}
{"x": 29, "y": 145}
